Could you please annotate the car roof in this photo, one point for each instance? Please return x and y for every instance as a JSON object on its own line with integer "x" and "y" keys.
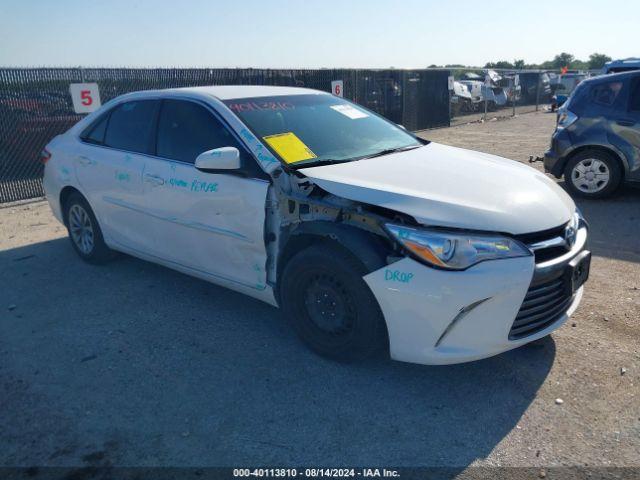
{"x": 622, "y": 62}
{"x": 611, "y": 77}
{"x": 230, "y": 92}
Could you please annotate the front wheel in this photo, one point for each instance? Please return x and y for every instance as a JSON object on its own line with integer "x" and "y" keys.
{"x": 84, "y": 231}
{"x": 329, "y": 305}
{"x": 593, "y": 174}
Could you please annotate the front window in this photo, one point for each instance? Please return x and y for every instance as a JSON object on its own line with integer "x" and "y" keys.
{"x": 307, "y": 130}
{"x": 185, "y": 130}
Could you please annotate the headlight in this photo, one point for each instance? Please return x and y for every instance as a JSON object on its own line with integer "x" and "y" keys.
{"x": 577, "y": 220}
{"x": 452, "y": 250}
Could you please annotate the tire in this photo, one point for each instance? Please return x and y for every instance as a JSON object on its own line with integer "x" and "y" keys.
{"x": 593, "y": 174}
{"x": 84, "y": 231}
{"x": 329, "y": 305}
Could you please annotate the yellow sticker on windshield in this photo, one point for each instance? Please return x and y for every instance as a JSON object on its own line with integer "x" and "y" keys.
{"x": 289, "y": 147}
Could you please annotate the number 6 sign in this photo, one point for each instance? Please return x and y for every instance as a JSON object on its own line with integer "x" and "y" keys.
{"x": 85, "y": 97}
{"x": 337, "y": 88}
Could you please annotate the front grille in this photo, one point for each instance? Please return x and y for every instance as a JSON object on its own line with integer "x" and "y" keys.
{"x": 548, "y": 253}
{"x": 543, "y": 305}
{"x": 549, "y": 296}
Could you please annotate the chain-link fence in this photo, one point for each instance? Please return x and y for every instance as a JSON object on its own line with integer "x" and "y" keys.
{"x": 483, "y": 94}
{"x": 35, "y": 104}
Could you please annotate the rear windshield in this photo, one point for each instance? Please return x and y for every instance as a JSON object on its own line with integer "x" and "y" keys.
{"x": 307, "y": 130}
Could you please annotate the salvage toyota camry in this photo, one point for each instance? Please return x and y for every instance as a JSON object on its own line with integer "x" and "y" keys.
{"x": 366, "y": 236}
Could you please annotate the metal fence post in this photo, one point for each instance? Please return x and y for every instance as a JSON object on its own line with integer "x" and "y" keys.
{"x": 449, "y": 97}
{"x": 513, "y": 95}
{"x": 485, "y": 106}
{"x": 355, "y": 86}
{"x": 538, "y": 92}
{"x": 81, "y": 70}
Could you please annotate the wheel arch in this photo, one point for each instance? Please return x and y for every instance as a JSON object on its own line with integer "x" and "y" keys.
{"x": 608, "y": 149}
{"x": 369, "y": 249}
{"x": 65, "y": 193}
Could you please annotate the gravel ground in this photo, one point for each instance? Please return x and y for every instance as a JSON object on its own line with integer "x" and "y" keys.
{"x": 134, "y": 364}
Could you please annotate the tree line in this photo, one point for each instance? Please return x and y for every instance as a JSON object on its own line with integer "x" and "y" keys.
{"x": 596, "y": 61}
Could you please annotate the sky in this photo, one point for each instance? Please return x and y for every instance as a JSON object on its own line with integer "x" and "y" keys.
{"x": 311, "y": 33}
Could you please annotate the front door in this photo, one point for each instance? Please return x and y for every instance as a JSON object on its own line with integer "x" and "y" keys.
{"x": 210, "y": 223}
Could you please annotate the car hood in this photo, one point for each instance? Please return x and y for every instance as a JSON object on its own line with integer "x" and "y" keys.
{"x": 446, "y": 186}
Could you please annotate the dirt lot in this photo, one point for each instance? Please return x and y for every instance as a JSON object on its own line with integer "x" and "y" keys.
{"x": 134, "y": 364}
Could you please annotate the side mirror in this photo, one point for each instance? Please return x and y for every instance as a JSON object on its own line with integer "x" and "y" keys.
{"x": 225, "y": 158}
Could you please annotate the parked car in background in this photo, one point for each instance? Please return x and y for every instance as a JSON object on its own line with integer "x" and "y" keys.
{"x": 494, "y": 94}
{"x": 565, "y": 85}
{"x": 473, "y": 83}
{"x": 534, "y": 87}
{"x": 461, "y": 99}
{"x": 596, "y": 144}
{"x": 368, "y": 237}
{"x": 511, "y": 90}
{"x": 624, "y": 65}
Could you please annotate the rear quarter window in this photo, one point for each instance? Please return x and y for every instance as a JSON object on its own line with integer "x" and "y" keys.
{"x": 94, "y": 133}
{"x": 634, "y": 98}
{"x": 605, "y": 94}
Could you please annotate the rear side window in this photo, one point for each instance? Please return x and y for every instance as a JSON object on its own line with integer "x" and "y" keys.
{"x": 606, "y": 93}
{"x": 95, "y": 132}
{"x": 186, "y": 129}
{"x": 130, "y": 126}
{"x": 634, "y": 100}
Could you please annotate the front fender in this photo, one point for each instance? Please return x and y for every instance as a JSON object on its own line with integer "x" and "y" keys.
{"x": 368, "y": 247}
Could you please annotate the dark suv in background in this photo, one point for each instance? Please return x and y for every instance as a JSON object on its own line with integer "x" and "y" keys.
{"x": 596, "y": 145}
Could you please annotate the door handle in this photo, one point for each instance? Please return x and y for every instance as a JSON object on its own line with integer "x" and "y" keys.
{"x": 153, "y": 179}
{"x": 626, "y": 122}
{"x": 84, "y": 160}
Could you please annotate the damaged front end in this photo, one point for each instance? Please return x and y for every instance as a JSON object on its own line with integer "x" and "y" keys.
{"x": 299, "y": 213}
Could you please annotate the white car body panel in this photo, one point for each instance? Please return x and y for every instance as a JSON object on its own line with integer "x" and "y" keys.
{"x": 419, "y": 311}
{"x": 485, "y": 193}
{"x": 212, "y": 226}
{"x": 205, "y": 221}
{"x": 461, "y": 91}
{"x": 113, "y": 178}
{"x": 212, "y": 233}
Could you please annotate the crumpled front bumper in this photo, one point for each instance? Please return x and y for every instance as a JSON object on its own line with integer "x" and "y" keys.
{"x": 443, "y": 317}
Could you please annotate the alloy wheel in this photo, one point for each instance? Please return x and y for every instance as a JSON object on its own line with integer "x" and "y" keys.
{"x": 81, "y": 229}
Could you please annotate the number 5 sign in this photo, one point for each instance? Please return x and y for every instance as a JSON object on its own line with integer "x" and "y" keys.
{"x": 85, "y": 97}
{"x": 337, "y": 88}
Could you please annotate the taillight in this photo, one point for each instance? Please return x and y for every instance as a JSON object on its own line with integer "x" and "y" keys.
{"x": 45, "y": 155}
{"x": 565, "y": 118}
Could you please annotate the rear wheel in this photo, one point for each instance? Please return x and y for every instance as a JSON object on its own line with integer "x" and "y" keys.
{"x": 84, "y": 231}
{"x": 593, "y": 174}
{"x": 329, "y": 305}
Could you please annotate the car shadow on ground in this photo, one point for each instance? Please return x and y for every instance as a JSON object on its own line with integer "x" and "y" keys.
{"x": 133, "y": 364}
{"x": 613, "y": 224}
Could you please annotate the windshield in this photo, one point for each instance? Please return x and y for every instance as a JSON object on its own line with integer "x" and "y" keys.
{"x": 307, "y": 130}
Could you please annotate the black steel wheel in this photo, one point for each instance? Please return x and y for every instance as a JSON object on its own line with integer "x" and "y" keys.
{"x": 329, "y": 305}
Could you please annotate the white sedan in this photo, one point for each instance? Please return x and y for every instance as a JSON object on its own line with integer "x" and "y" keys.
{"x": 368, "y": 237}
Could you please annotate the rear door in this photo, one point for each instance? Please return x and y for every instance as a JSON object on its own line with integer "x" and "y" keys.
{"x": 209, "y": 222}
{"x": 110, "y": 167}
{"x": 628, "y": 127}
